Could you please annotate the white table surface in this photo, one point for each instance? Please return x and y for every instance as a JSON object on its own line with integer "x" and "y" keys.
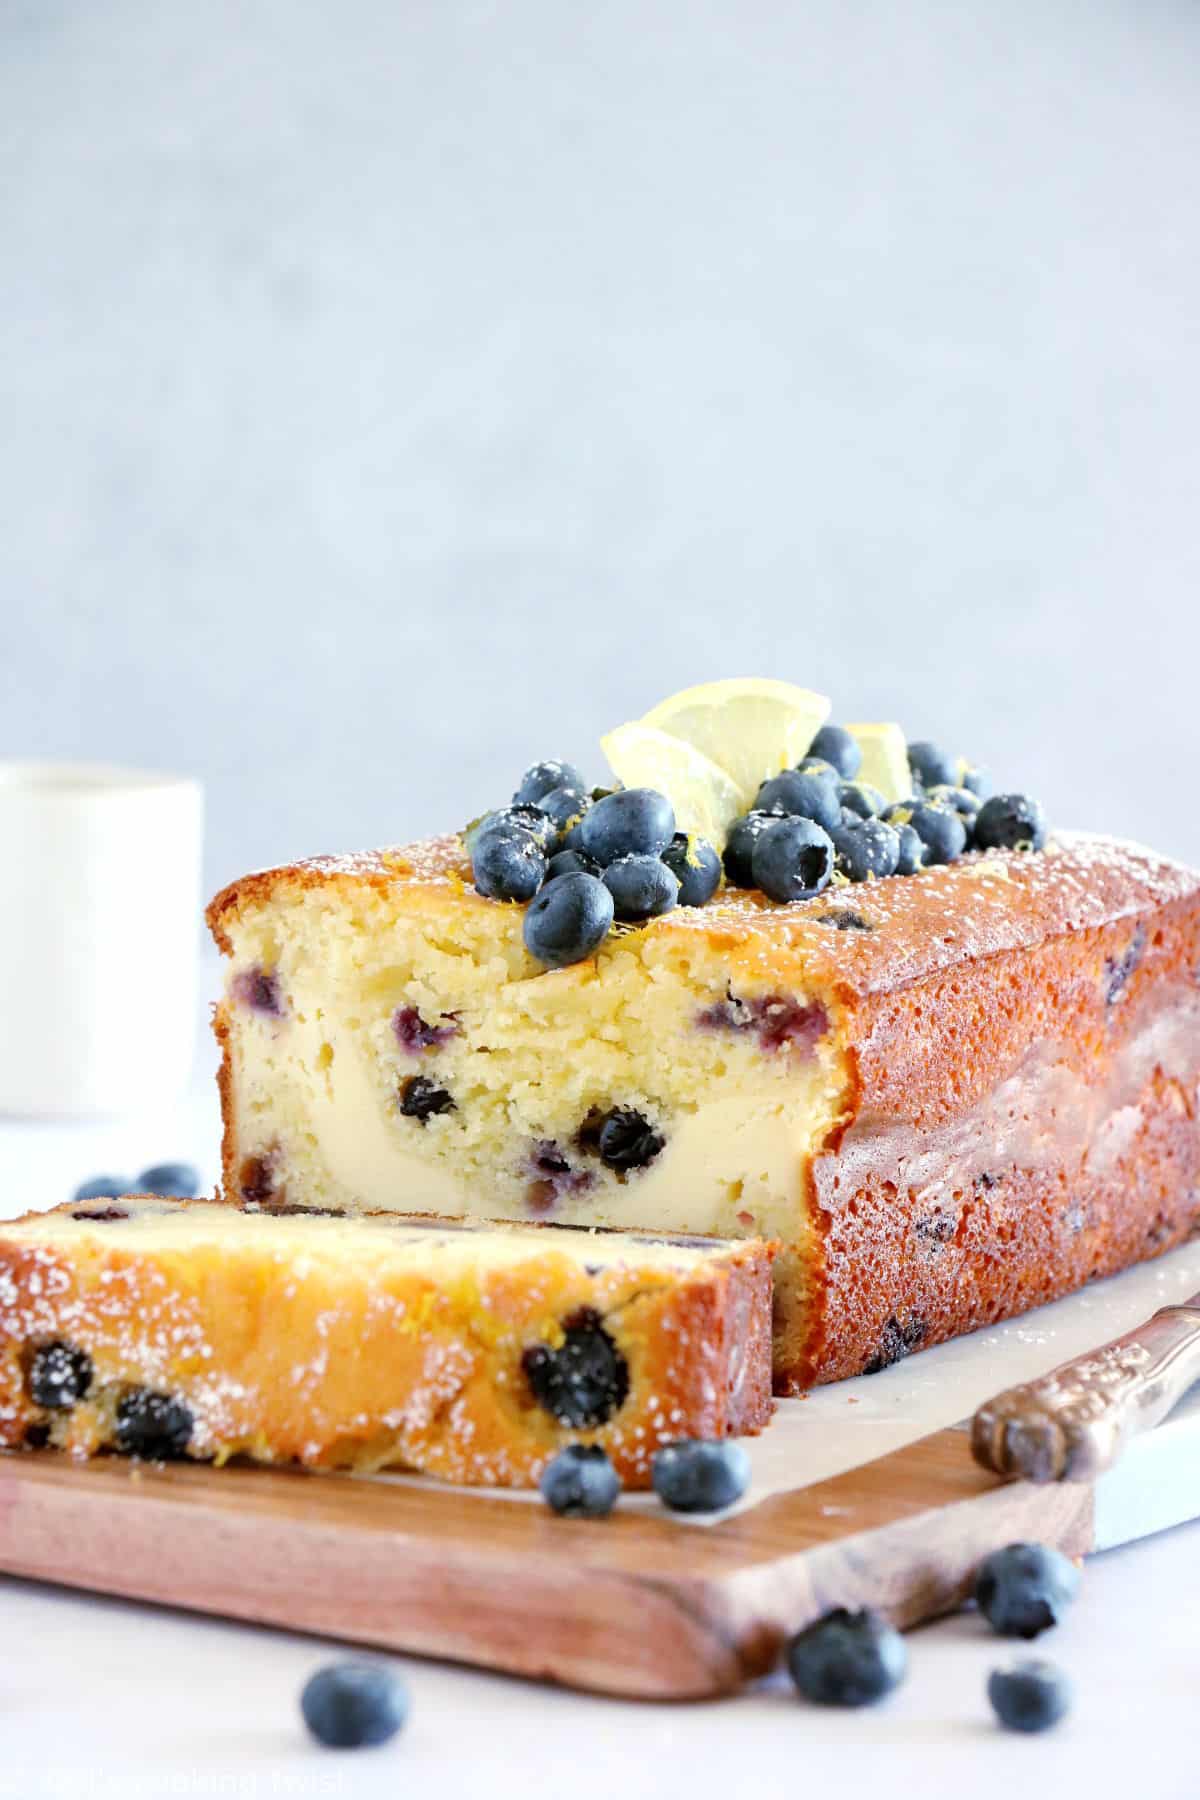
{"x": 103, "y": 1697}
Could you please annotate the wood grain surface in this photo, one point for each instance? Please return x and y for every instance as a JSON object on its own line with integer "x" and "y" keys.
{"x": 638, "y": 1604}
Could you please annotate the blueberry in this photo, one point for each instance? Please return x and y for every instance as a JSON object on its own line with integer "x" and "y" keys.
{"x": 816, "y": 765}
{"x": 1030, "y": 1696}
{"x": 571, "y": 862}
{"x": 845, "y": 919}
{"x": 583, "y": 1381}
{"x": 631, "y": 822}
{"x": 580, "y": 1482}
{"x": 529, "y": 818}
{"x": 867, "y": 848}
{"x": 543, "y": 777}
{"x": 102, "y": 1187}
{"x": 258, "y": 989}
{"x": 1025, "y": 1589}
{"x": 154, "y": 1426}
{"x": 642, "y": 887}
{"x": 931, "y": 767}
{"x": 833, "y": 745}
{"x": 912, "y": 851}
{"x": 801, "y": 797}
{"x": 415, "y": 1034}
{"x": 861, "y": 798}
{"x": 695, "y": 866}
{"x": 958, "y": 799}
{"x": 508, "y": 863}
{"x": 569, "y": 919}
{"x": 58, "y": 1376}
{"x": 349, "y": 1704}
{"x": 847, "y": 1658}
{"x": 697, "y": 1475}
{"x": 564, "y": 807}
{"x": 793, "y": 859}
{"x": 503, "y": 819}
{"x": 940, "y": 829}
{"x": 177, "y": 1181}
{"x": 1010, "y": 822}
{"x": 622, "y": 1138}
{"x": 421, "y": 1099}
{"x": 744, "y": 833}
{"x": 897, "y": 1339}
{"x": 976, "y": 781}
{"x": 101, "y": 1215}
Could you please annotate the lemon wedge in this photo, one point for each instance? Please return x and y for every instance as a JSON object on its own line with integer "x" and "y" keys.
{"x": 750, "y": 728}
{"x": 705, "y": 799}
{"x": 884, "y": 760}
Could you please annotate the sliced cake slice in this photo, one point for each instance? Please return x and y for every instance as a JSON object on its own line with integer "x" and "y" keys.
{"x": 167, "y": 1328}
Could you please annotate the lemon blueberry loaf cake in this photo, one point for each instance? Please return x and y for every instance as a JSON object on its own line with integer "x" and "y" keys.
{"x": 951, "y": 1065}
{"x": 168, "y": 1328}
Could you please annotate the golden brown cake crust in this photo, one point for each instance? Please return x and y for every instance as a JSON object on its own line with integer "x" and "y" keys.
{"x": 284, "y": 1352}
{"x": 978, "y": 906}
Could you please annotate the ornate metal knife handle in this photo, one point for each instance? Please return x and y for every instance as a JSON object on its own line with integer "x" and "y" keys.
{"x": 1075, "y": 1422}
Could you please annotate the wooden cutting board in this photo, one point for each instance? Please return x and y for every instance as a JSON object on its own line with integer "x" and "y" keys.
{"x": 639, "y": 1604}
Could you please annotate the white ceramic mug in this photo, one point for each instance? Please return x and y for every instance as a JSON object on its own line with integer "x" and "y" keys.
{"x": 99, "y": 937}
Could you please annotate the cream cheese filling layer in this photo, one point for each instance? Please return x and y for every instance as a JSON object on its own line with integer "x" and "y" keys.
{"x": 732, "y": 1166}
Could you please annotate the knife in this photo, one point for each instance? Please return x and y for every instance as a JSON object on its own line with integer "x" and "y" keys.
{"x": 1073, "y": 1423}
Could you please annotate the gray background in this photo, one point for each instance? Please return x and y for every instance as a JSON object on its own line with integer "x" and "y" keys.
{"x": 392, "y": 392}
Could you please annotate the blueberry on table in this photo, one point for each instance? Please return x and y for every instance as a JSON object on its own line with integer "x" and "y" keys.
{"x": 153, "y": 1426}
{"x": 911, "y": 855}
{"x": 568, "y": 920}
{"x": 861, "y": 798}
{"x": 631, "y": 822}
{"x": 580, "y": 1483}
{"x": 801, "y": 797}
{"x": 835, "y": 746}
{"x": 642, "y": 887}
{"x": 175, "y": 1181}
{"x": 102, "y": 1187}
{"x": 940, "y": 829}
{"x": 697, "y": 1475}
{"x": 867, "y": 849}
{"x": 931, "y": 767}
{"x": 847, "y": 1658}
{"x": 584, "y": 1380}
{"x": 508, "y": 863}
{"x": 1029, "y": 1696}
{"x": 792, "y": 860}
{"x": 1024, "y": 1589}
{"x": 976, "y": 781}
{"x": 1010, "y": 822}
{"x": 695, "y": 866}
{"x": 543, "y": 777}
{"x": 59, "y": 1375}
{"x": 352, "y": 1704}
{"x": 744, "y": 833}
